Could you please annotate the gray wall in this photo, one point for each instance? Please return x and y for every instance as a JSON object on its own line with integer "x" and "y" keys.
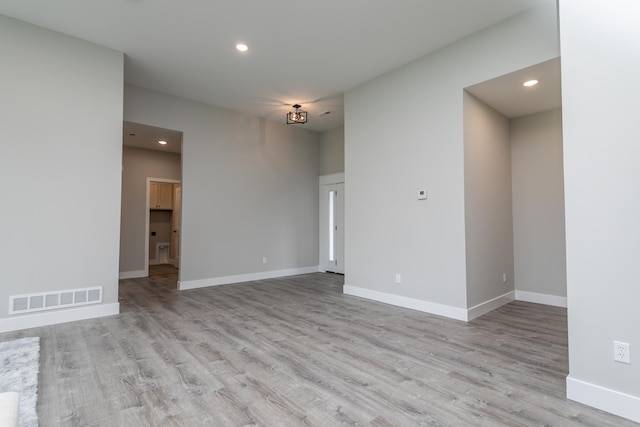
{"x": 249, "y": 187}
{"x": 137, "y": 165}
{"x": 332, "y": 151}
{"x": 487, "y": 201}
{"x": 600, "y": 90}
{"x": 389, "y": 158}
{"x": 60, "y": 161}
{"x": 538, "y": 204}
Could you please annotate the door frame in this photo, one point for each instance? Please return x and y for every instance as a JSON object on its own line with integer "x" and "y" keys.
{"x": 147, "y": 218}
{"x": 335, "y": 178}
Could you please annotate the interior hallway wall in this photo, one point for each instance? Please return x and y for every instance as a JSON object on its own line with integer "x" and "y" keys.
{"x": 538, "y": 204}
{"x": 250, "y": 189}
{"x": 137, "y": 165}
{"x": 488, "y": 203}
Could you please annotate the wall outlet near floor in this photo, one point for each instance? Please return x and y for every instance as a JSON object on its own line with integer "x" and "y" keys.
{"x": 264, "y": 259}
{"x": 398, "y": 278}
{"x": 504, "y": 277}
{"x": 621, "y": 352}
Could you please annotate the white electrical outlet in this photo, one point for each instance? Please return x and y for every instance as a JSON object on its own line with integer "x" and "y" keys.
{"x": 398, "y": 278}
{"x": 621, "y": 352}
{"x": 504, "y": 277}
{"x": 264, "y": 260}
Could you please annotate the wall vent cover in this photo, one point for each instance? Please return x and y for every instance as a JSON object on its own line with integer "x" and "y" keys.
{"x": 28, "y": 303}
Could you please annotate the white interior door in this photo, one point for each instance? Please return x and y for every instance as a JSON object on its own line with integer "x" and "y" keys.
{"x": 338, "y": 228}
{"x": 332, "y": 227}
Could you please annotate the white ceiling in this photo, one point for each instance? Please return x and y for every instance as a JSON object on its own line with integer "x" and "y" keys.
{"x": 507, "y": 95}
{"x": 304, "y": 51}
{"x": 147, "y": 137}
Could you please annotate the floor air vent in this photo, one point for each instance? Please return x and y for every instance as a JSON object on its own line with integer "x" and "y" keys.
{"x": 19, "y": 304}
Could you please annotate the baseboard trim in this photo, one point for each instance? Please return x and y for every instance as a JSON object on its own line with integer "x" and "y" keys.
{"x": 546, "y": 299}
{"x": 226, "y": 280}
{"x": 132, "y": 274}
{"x": 406, "y": 302}
{"x": 615, "y": 402}
{"x": 55, "y": 317}
{"x": 487, "y": 306}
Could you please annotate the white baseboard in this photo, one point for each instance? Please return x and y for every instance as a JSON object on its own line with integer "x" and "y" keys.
{"x": 132, "y": 274}
{"x": 431, "y": 307}
{"x": 541, "y": 298}
{"x": 216, "y": 281}
{"x": 54, "y": 317}
{"x": 615, "y": 402}
{"x": 487, "y": 306}
{"x": 406, "y": 302}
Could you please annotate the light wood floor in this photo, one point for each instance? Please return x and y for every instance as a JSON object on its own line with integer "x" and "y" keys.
{"x": 295, "y": 351}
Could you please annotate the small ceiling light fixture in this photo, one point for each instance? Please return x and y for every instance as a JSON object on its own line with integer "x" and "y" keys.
{"x": 162, "y": 142}
{"x": 296, "y": 117}
{"x": 530, "y": 83}
{"x": 242, "y": 47}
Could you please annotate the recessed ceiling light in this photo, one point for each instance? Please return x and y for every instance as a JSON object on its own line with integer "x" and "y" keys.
{"x": 529, "y": 83}
{"x": 242, "y": 47}
{"x": 162, "y": 142}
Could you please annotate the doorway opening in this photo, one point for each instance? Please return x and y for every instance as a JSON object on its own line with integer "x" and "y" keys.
{"x": 164, "y": 199}
{"x": 331, "y": 238}
{"x": 151, "y": 203}
{"x": 514, "y": 187}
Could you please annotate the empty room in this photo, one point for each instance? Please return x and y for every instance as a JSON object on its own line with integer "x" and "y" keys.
{"x": 331, "y": 213}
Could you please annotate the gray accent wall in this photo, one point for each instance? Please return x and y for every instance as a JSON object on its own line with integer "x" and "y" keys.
{"x": 538, "y": 204}
{"x": 60, "y": 162}
{"x": 249, "y": 187}
{"x": 137, "y": 165}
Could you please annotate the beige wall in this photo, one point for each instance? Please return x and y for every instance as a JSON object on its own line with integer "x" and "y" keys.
{"x": 160, "y": 224}
{"x": 538, "y": 204}
{"x": 137, "y": 165}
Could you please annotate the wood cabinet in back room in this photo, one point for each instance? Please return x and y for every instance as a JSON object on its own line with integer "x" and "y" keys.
{"x": 160, "y": 196}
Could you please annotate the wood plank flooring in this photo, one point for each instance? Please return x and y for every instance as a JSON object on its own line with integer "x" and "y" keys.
{"x": 297, "y": 352}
